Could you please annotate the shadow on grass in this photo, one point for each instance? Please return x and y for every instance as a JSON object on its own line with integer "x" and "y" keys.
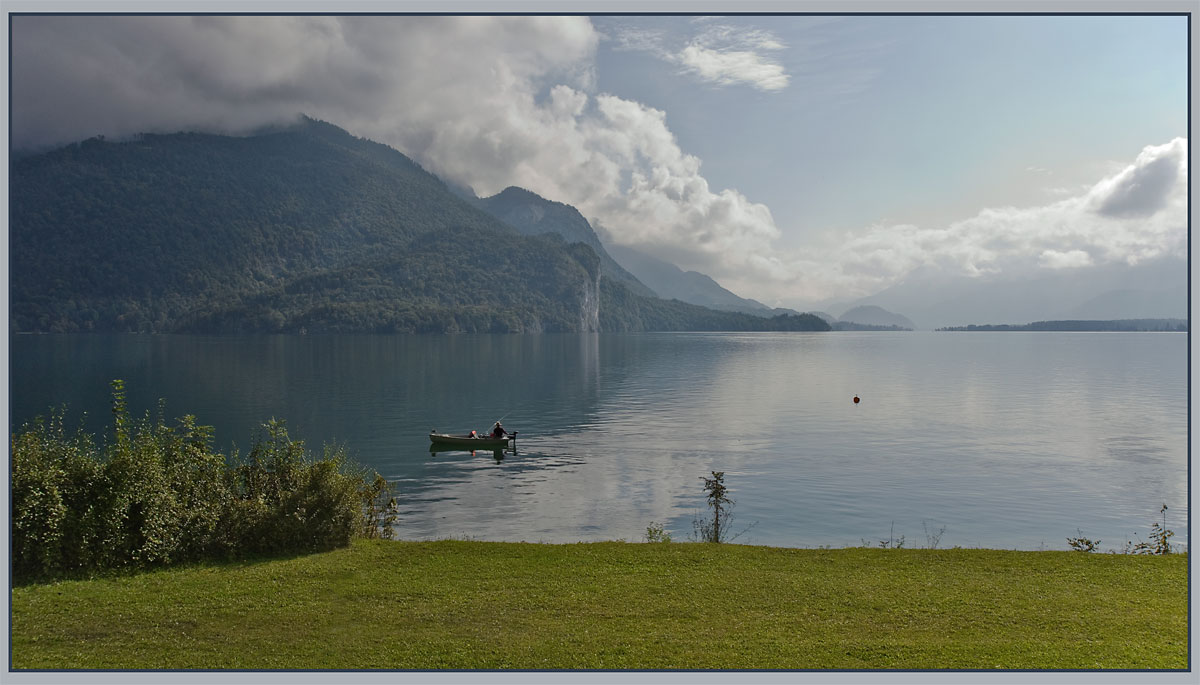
{"x": 228, "y": 563}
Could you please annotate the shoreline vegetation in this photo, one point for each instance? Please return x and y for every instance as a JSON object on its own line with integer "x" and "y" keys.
{"x": 153, "y": 552}
{"x": 155, "y": 495}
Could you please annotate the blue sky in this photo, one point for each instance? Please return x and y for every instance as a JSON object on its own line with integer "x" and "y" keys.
{"x": 796, "y": 159}
{"x": 942, "y": 115}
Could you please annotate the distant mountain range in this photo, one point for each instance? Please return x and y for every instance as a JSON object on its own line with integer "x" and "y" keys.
{"x": 306, "y": 229}
{"x": 671, "y": 282}
{"x": 1116, "y": 304}
{"x": 1151, "y": 289}
{"x": 870, "y": 315}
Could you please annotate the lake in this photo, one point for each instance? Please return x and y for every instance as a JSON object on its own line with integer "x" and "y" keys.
{"x": 1006, "y": 439}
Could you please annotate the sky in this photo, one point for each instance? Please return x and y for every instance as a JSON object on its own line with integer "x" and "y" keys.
{"x": 795, "y": 159}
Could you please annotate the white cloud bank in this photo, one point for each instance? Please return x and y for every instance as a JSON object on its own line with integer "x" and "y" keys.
{"x": 1135, "y": 215}
{"x": 498, "y": 101}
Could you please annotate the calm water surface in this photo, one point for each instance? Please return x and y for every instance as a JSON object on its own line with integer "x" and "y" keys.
{"x": 1011, "y": 440}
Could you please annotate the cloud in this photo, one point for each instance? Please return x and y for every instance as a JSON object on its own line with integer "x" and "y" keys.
{"x": 496, "y": 101}
{"x": 1135, "y": 215}
{"x": 725, "y": 55}
{"x": 668, "y": 207}
{"x": 727, "y": 67}
{"x": 1073, "y": 259}
{"x": 487, "y": 102}
{"x": 637, "y": 38}
{"x": 721, "y": 55}
{"x": 1143, "y": 188}
{"x": 387, "y": 78}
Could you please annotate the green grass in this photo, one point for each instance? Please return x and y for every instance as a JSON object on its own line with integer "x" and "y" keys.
{"x": 480, "y": 605}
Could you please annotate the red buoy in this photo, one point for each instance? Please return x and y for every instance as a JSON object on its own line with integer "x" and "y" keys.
{"x": 856, "y": 399}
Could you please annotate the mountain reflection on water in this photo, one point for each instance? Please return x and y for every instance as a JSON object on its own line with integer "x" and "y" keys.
{"x": 1011, "y": 440}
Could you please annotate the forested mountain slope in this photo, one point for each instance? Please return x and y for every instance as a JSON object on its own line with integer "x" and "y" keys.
{"x": 205, "y": 232}
{"x": 304, "y": 228}
{"x": 532, "y": 214}
{"x": 671, "y": 282}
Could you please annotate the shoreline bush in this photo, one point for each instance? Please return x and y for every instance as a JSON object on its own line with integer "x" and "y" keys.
{"x": 156, "y": 495}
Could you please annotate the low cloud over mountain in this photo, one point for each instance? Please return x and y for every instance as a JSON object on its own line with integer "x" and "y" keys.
{"x": 490, "y": 102}
{"x": 486, "y": 102}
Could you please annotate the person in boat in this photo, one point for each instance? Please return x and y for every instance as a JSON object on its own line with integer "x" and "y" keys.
{"x": 498, "y": 431}
{"x": 472, "y": 435}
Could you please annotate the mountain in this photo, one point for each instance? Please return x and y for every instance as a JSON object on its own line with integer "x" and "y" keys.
{"x": 1127, "y": 303}
{"x": 934, "y": 300}
{"x": 532, "y": 214}
{"x": 875, "y": 316}
{"x": 673, "y": 283}
{"x": 826, "y": 317}
{"x": 621, "y": 310}
{"x": 303, "y": 228}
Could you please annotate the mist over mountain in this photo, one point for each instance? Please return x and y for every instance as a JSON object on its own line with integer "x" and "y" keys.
{"x": 875, "y": 316}
{"x": 532, "y": 214}
{"x": 1123, "y": 304}
{"x": 1151, "y": 289}
{"x": 304, "y": 228}
{"x": 825, "y": 316}
{"x": 671, "y": 282}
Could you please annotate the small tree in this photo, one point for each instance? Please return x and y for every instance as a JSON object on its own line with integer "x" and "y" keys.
{"x": 716, "y": 528}
{"x": 1159, "y": 537}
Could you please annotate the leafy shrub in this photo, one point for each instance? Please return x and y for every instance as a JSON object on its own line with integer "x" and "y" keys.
{"x": 1160, "y": 538}
{"x": 40, "y": 514}
{"x": 657, "y": 532}
{"x": 1082, "y": 544}
{"x": 158, "y": 495}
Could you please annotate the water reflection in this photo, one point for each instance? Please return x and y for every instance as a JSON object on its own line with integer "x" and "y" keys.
{"x": 1006, "y": 439}
{"x": 498, "y": 454}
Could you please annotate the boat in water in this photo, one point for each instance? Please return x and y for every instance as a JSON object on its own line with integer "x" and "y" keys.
{"x": 443, "y": 441}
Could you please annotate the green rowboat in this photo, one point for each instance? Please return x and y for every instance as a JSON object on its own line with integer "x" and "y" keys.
{"x": 468, "y": 442}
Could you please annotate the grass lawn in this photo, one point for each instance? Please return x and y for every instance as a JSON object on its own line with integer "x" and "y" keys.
{"x": 486, "y": 605}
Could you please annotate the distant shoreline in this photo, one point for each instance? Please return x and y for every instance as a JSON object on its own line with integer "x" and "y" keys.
{"x": 1116, "y": 326}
